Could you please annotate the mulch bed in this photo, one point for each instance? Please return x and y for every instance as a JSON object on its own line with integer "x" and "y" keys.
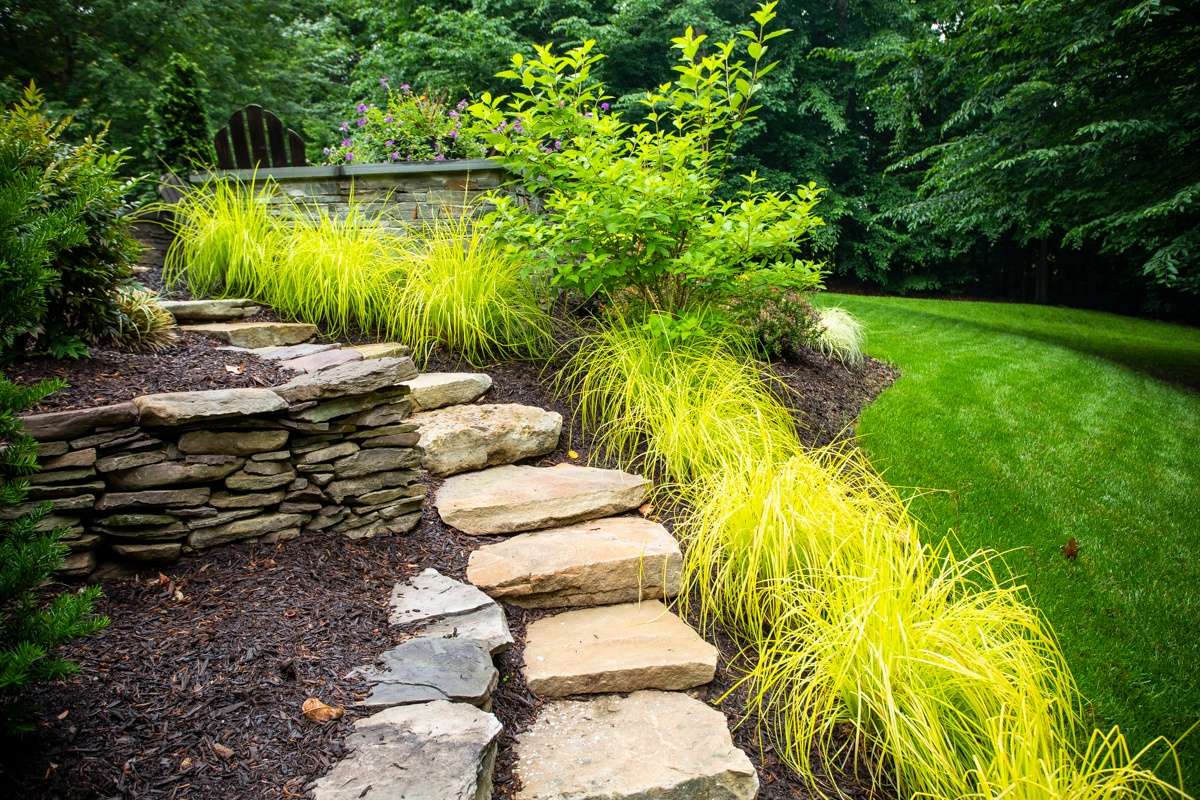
{"x": 112, "y": 376}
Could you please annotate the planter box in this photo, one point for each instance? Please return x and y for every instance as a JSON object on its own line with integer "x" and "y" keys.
{"x": 402, "y": 194}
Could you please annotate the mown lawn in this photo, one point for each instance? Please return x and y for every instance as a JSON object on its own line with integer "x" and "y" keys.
{"x": 1025, "y": 426}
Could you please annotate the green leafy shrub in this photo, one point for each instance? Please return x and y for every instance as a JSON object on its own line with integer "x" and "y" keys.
{"x": 31, "y": 628}
{"x": 408, "y": 127}
{"x": 637, "y": 207}
{"x": 144, "y": 326}
{"x": 179, "y": 122}
{"x": 66, "y": 246}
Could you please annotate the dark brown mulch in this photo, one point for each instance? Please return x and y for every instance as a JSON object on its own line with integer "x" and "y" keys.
{"x": 827, "y": 396}
{"x": 113, "y": 376}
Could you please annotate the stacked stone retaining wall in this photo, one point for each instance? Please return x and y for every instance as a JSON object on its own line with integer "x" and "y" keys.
{"x": 168, "y": 475}
{"x": 400, "y": 194}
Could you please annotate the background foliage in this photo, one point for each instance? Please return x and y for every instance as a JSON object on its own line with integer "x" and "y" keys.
{"x": 1033, "y": 149}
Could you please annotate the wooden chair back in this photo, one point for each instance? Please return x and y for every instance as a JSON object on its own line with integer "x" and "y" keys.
{"x": 255, "y": 138}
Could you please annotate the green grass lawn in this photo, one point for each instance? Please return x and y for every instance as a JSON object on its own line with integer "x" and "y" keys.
{"x": 1028, "y": 425}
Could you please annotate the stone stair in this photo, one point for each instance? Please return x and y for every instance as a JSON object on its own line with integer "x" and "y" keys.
{"x": 614, "y": 666}
{"x": 574, "y": 547}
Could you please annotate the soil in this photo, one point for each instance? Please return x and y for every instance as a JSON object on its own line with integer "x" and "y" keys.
{"x": 113, "y": 376}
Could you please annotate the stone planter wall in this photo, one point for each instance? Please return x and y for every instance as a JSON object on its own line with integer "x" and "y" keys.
{"x": 168, "y": 475}
{"x": 401, "y": 193}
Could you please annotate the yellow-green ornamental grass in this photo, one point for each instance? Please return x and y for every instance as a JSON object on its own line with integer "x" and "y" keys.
{"x": 952, "y": 684}
{"x": 447, "y": 283}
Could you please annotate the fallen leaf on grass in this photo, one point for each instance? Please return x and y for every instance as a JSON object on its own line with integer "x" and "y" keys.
{"x": 1070, "y": 550}
{"x": 316, "y": 711}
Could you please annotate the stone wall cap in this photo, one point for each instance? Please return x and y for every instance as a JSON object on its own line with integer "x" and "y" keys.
{"x": 69, "y": 424}
{"x": 181, "y": 408}
{"x": 350, "y": 171}
{"x": 352, "y": 378}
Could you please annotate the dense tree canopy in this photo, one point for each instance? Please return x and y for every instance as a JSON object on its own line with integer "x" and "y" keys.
{"x": 1034, "y": 148}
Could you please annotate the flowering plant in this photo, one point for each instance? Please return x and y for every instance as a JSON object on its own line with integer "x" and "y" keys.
{"x": 407, "y": 127}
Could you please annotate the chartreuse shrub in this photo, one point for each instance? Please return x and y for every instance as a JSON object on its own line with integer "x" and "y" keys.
{"x": 33, "y": 623}
{"x": 65, "y": 245}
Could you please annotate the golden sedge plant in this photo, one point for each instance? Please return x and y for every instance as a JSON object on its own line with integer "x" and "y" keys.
{"x": 679, "y": 410}
{"x": 225, "y": 239}
{"x": 464, "y": 290}
{"x": 340, "y": 272}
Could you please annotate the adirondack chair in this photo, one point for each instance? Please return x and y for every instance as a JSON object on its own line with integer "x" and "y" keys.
{"x": 254, "y": 138}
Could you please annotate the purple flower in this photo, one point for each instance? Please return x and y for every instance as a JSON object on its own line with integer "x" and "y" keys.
{"x": 605, "y": 106}
{"x": 390, "y": 142}
{"x": 454, "y": 133}
{"x": 394, "y": 155}
{"x": 462, "y": 105}
{"x": 383, "y": 81}
{"x": 389, "y": 118}
{"x": 362, "y": 121}
{"x": 404, "y": 87}
{"x": 362, "y": 108}
{"x": 439, "y": 157}
{"x": 518, "y": 127}
{"x": 349, "y": 156}
{"x": 558, "y": 144}
{"x": 500, "y": 128}
{"x": 345, "y": 126}
{"x": 452, "y": 115}
{"x": 325, "y": 151}
{"x": 346, "y": 143}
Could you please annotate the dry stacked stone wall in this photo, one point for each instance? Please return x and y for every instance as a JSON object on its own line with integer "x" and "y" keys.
{"x": 168, "y": 475}
{"x": 400, "y": 194}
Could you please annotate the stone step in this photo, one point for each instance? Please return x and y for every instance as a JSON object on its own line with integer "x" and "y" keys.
{"x": 511, "y": 499}
{"x": 439, "y": 389}
{"x": 211, "y": 310}
{"x": 315, "y": 362}
{"x": 468, "y": 437}
{"x": 611, "y": 560}
{"x": 255, "y": 334}
{"x": 431, "y": 668}
{"x": 380, "y": 350}
{"x": 433, "y": 605}
{"x": 428, "y": 751}
{"x": 647, "y": 746}
{"x": 620, "y": 648}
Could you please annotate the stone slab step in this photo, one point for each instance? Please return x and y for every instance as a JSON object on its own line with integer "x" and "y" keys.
{"x": 255, "y": 334}
{"x": 431, "y": 668}
{"x": 511, "y": 499}
{"x": 285, "y": 353}
{"x": 610, "y": 560}
{"x": 211, "y": 310}
{"x": 461, "y": 438}
{"x": 439, "y": 389}
{"x": 315, "y": 362}
{"x": 434, "y": 605}
{"x": 429, "y": 751}
{"x": 647, "y": 746}
{"x": 381, "y": 350}
{"x": 621, "y": 648}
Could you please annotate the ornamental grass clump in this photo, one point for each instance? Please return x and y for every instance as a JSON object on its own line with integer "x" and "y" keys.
{"x": 680, "y": 409}
{"x": 340, "y": 272}
{"x": 465, "y": 291}
{"x": 225, "y": 239}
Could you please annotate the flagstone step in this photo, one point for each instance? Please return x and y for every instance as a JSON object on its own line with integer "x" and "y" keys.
{"x": 428, "y": 751}
{"x": 432, "y": 390}
{"x": 511, "y": 499}
{"x": 610, "y": 560}
{"x": 380, "y": 350}
{"x": 255, "y": 334}
{"x": 224, "y": 310}
{"x": 649, "y": 745}
{"x": 431, "y": 668}
{"x": 461, "y": 438}
{"x": 433, "y": 605}
{"x": 621, "y": 648}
